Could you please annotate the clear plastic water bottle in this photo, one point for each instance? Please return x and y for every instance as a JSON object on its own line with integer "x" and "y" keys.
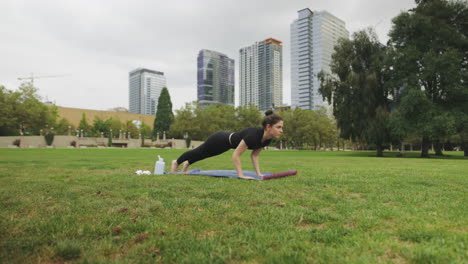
{"x": 159, "y": 166}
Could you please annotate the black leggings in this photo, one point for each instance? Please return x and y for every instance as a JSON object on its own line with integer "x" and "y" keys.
{"x": 215, "y": 144}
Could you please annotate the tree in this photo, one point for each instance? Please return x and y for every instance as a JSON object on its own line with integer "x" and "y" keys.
{"x": 115, "y": 125}
{"x": 429, "y": 53}
{"x": 308, "y": 129}
{"x": 61, "y": 127}
{"x": 357, "y": 89}
{"x": 130, "y": 127}
{"x": 215, "y": 118}
{"x": 83, "y": 125}
{"x": 247, "y": 116}
{"x": 22, "y": 111}
{"x": 164, "y": 116}
{"x": 104, "y": 126}
{"x": 186, "y": 121}
{"x": 145, "y": 130}
{"x": 8, "y": 120}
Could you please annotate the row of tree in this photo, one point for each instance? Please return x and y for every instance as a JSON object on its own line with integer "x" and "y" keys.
{"x": 104, "y": 127}
{"x": 415, "y": 86}
{"x": 303, "y": 128}
{"x": 23, "y": 113}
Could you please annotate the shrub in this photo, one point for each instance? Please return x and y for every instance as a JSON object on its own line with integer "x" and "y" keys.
{"x": 188, "y": 140}
{"x": 17, "y": 142}
{"x": 49, "y": 138}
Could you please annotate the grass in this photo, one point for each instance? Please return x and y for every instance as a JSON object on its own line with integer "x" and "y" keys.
{"x": 88, "y": 206}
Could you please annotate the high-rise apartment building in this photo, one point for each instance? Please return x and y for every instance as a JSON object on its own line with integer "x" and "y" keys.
{"x": 144, "y": 89}
{"x": 313, "y": 37}
{"x": 261, "y": 74}
{"x": 215, "y": 78}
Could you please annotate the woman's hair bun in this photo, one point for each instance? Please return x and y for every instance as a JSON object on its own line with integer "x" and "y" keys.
{"x": 268, "y": 112}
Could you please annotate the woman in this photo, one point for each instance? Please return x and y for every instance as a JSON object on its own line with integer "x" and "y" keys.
{"x": 254, "y": 138}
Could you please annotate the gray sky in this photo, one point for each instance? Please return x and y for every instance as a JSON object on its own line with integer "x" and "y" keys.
{"x": 93, "y": 44}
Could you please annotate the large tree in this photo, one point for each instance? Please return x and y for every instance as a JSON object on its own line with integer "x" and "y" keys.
{"x": 22, "y": 111}
{"x": 308, "y": 129}
{"x": 186, "y": 122}
{"x": 247, "y": 116}
{"x": 429, "y": 53}
{"x": 357, "y": 89}
{"x": 164, "y": 115}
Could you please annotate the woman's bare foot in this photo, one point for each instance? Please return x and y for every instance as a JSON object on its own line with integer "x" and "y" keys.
{"x": 247, "y": 177}
{"x": 185, "y": 167}
{"x": 174, "y": 166}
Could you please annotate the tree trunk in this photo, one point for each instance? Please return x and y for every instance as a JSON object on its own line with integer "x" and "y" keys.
{"x": 425, "y": 145}
{"x": 379, "y": 150}
{"x": 464, "y": 146}
{"x": 438, "y": 148}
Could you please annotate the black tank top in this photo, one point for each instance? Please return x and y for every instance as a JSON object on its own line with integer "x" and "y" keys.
{"x": 252, "y": 137}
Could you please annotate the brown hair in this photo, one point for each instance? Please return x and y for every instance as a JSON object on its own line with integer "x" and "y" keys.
{"x": 271, "y": 118}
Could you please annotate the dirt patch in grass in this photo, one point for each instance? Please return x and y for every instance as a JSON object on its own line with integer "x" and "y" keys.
{"x": 140, "y": 237}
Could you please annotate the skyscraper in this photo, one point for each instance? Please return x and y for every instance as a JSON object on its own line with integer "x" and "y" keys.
{"x": 144, "y": 89}
{"x": 313, "y": 37}
{"x": 215, "y": 78}
{"x": 261, "y": 74}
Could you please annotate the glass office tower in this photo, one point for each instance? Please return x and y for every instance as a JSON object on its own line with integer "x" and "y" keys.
{"x": 215, "y": 78}
{"x": 313, "y": 37}
{"x": 144, "y": 89}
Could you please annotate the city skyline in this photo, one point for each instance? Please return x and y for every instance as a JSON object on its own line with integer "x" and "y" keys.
{"x": 93, "y": 49}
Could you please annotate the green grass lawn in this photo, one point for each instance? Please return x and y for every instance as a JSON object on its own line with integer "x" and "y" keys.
{"x": 88, "y": 206}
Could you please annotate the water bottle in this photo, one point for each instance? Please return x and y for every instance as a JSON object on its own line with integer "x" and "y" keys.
{"x": 159, "y": 166}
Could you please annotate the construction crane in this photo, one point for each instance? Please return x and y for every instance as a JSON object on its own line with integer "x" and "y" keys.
{"x": 32, "y": 77}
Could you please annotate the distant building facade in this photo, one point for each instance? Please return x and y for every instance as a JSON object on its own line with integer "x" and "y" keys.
{"x": 144, "y": 89}
{"x": 261, "y": 74}
{"x": 74, "y": 115}
{"x": 313, "y": 37}
{"x": 215, "y": 78}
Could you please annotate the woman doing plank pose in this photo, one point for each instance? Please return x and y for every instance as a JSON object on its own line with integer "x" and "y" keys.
{"x": 253, "y": 138}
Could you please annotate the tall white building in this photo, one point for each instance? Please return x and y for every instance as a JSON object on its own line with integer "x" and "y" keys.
{"x": 261, "y": 74}
{"x": 313, "y": 37}
{"x": 144, "y": 89}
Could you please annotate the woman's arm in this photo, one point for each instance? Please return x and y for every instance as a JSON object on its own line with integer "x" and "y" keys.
{"x": 236, "y": 158}
{"x": 254, "y": 157}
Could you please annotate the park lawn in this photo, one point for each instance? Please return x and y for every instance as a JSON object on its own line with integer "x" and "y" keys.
{"x": 88, "y": 206}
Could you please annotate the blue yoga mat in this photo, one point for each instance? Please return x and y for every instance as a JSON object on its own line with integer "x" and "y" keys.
{"x": 233, "y": 174}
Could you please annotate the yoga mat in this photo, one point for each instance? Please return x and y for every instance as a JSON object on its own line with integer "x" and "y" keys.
{"x": 233, "y": 174}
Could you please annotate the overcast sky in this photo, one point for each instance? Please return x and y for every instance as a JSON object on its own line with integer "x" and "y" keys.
{"x": 93, "y": 44}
